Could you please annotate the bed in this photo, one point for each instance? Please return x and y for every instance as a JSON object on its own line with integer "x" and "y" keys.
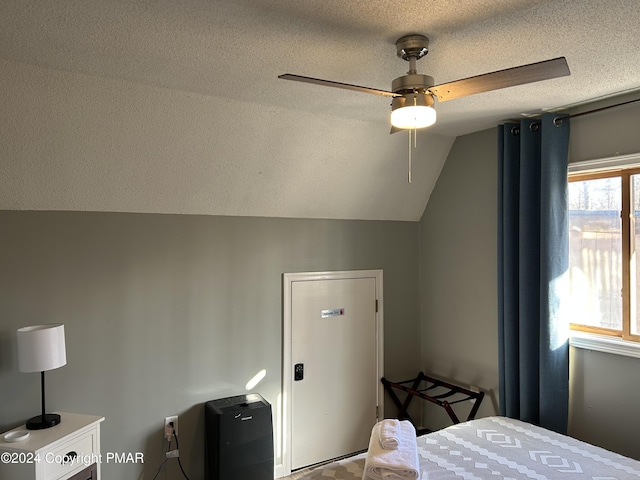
{"x": 499, "y": 448}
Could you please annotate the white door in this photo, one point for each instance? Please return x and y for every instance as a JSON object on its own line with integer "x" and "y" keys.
{"x": 335, "y": 355}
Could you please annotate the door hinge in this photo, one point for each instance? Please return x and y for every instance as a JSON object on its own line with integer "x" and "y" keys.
{"x": 376, "y": 305}
{"x": 377, "y": 413}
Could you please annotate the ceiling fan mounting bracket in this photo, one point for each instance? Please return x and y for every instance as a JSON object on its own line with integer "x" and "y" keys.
{"x": 413, "y": 46}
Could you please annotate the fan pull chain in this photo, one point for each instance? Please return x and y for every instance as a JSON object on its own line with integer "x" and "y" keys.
{"x": 415, "y": 145}
{"x": 409, "y": 173}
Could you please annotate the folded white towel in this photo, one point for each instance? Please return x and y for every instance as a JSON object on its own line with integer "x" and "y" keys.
{"x": 387, "y": 475}
{"x": 389, "y": 433}
{"x": 399, "y": 464}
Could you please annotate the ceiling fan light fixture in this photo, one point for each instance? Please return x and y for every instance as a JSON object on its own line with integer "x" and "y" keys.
{"x": 412, "y": 111}
{"x": 413, "y": 116}
{"x": 413, "y": 95}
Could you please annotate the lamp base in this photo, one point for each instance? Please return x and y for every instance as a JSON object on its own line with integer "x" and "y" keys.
{"x": 39, "y": 422}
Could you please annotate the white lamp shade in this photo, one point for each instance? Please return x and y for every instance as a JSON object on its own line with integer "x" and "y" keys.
{"x": 413, "y": 116}
{"x": 41, "y": 348}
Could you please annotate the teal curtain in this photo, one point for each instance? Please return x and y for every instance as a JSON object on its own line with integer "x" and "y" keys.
{"x": 533, "y": 251}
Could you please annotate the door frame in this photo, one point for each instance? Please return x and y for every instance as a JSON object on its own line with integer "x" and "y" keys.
{"x": 287, "y": 371}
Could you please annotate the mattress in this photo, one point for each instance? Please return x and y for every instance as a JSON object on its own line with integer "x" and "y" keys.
{"x": 499, "y": 448}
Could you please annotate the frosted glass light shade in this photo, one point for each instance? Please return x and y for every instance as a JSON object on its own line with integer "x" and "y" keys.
{"x": 413, "y": 116}
{"x": 41, "y": 348}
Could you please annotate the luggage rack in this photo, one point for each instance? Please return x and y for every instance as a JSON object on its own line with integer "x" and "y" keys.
{"x": 441, "y": 393}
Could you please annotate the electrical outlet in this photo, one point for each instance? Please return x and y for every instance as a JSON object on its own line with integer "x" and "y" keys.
{"x": 168, "y": 433}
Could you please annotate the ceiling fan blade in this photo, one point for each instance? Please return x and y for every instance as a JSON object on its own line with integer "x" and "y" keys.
{"x": 329, "y": 83}
{"x": 533, "y": 72}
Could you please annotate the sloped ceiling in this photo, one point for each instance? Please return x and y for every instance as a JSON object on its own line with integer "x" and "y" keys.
{"x": 175, "y": 106}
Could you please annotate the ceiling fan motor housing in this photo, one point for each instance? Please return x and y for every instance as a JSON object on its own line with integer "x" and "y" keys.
{"x": 422, "y": 99}
{"x": 412, "y": 82}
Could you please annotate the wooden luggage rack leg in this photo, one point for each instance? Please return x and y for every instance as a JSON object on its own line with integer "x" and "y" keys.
{"x": 455, "y": 393}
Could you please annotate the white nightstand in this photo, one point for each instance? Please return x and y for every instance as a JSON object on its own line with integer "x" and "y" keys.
{"x": 58, "y": 453}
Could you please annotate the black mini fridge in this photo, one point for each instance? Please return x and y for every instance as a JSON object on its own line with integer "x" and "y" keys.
{"x": 239, "y": 438}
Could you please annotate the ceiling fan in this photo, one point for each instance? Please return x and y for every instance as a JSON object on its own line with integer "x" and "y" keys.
{"x": 413, "y": 95}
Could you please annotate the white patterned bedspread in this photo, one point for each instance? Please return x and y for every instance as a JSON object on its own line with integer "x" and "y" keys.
{"x": 500, "y": 448}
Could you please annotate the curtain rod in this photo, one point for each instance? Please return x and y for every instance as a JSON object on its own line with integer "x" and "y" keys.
{"x": 558, "y": 120}
{"x": 603, "y": 108}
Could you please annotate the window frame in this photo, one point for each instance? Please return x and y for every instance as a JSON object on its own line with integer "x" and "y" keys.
{"x": 597, "y": 338}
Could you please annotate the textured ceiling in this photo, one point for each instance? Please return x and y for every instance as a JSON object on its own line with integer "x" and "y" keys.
{"x": 310, "y": 151}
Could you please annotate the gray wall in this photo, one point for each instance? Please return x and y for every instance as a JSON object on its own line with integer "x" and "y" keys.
{"x": 165, "y": 312}
{"x": 458, "y": 274}
{"x": 458, "y": 312}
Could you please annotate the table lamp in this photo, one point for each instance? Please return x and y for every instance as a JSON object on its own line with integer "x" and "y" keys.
{"x": 41, "y": 348}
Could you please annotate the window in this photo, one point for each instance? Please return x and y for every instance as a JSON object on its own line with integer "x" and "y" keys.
{"x": 603, "y": 266}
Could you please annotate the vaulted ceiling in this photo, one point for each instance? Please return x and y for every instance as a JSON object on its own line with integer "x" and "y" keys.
{"x": 252, "y": 144}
